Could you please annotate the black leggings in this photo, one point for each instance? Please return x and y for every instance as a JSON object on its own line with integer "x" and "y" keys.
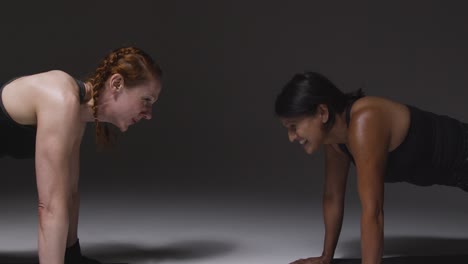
{"x": 461, "y": 174}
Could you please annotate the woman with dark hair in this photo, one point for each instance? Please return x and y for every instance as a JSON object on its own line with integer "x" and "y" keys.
{"x": 44, "y": 116}
{"x": 385, "y": 140}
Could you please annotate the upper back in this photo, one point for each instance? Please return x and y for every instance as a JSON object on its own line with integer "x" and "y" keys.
{"x": 23, "y": 97}
{"x": 425, "y": 152}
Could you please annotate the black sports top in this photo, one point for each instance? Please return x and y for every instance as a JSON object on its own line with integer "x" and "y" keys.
{"x": 431, "y": 152}
{"x": 19, "y": 141}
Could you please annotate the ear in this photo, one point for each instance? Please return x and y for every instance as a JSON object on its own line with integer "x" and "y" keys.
{"x": 116, "y": 83}
{"x": 324, "y": 113}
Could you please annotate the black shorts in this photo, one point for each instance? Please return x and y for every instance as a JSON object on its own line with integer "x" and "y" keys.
{"x": 16, "y": 140}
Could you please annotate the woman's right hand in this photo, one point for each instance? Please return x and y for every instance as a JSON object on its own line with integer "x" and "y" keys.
{"x": 313, "y": 260}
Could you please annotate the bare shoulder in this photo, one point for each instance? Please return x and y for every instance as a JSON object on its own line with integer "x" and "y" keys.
{"x": 59, "y": 127}
{"x": 380, "y": 119}
{"x": 372, "y": 106}
{"x": 59, "y": 76}
{"x": 58, "y": 88}
{"x": 372, "y": 101}
{"x": 367, "y": 109}
{"x": 58, "y": 100}
{"x": 25, "y": 97}
{"x": 57, "y": 79}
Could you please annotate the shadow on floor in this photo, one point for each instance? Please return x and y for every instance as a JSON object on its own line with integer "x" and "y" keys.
{"x": 414, "y": 250}
{"x": 452, "y": 259}
{"x": 129, "y": 253}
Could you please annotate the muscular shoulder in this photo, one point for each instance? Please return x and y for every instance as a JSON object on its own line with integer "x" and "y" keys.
{"x": 58, "y": 116}
{"x": 372, "y": 109}
{"x": 370, "y": 124}
{"x": 59, "y": 75}
{"x": 368, "y": 102}
{"x": 59, "y": 94}
{"x": 61, "y": 80}
{"x": 59, "y": 88}
{"x": 364, "y": 110}
{"x": 25, "y": 97}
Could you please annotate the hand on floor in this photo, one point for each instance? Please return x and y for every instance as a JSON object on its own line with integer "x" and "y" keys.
{"x": 313, "y": 260}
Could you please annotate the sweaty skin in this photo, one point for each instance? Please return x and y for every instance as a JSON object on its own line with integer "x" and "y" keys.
{"x": 50, "y": 101}
{"x": 377, "y": 127}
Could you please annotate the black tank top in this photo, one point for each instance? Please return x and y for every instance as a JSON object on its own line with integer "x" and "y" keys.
{"x": 19, "y": 141}
{"x": 431, "y": 152}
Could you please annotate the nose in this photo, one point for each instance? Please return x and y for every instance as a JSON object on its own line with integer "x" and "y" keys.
{"x": 292, "y": 136}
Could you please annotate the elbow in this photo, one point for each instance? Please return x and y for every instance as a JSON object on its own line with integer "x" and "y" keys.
{"x": 373, "y": 213}
{"x": 333, "y": 203}
{"x": 333, "y": 197}
{"x": 53, "y": 212}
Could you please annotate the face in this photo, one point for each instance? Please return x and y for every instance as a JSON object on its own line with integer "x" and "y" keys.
{"x": 308, "y": 131}
{"x": 132, "y": 104}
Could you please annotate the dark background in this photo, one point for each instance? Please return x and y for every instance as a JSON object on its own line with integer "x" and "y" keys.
{"x": 214, "y": 131}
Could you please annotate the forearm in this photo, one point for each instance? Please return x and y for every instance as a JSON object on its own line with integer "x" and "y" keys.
{"x": 73, "y": 215}
{"x": 372, "y": 226}
{"x": 52, "y": 233}
{"x": 333, "y": 218}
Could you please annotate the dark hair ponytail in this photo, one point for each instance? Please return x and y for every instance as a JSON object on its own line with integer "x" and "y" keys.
{"x": 305, "y": 91}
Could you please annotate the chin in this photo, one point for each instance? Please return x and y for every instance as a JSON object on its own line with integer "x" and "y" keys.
{"x": 310, "y": 150}
{"x": 123, "y": 128}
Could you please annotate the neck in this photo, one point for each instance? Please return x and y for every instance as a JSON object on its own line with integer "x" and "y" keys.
{"x": 339, "y": 132}
{"x": 86, "y": 112}
{"x": 87, "y": 108}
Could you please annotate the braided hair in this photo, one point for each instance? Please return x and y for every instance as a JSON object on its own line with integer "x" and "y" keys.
{"x": 134, "y": 65}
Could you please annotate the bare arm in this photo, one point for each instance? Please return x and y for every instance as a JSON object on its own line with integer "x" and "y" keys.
{"x": 75, "y": 195}
{"x": 57, "y": 136}
{"x": 336, "y": 174}
{"x": 369, "y": 139}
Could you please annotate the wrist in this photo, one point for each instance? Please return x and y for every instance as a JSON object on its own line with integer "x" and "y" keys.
{"x": 327, "y": 256}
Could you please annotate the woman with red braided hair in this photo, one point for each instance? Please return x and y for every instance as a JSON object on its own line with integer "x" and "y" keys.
{"x": 44, "y": 116}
